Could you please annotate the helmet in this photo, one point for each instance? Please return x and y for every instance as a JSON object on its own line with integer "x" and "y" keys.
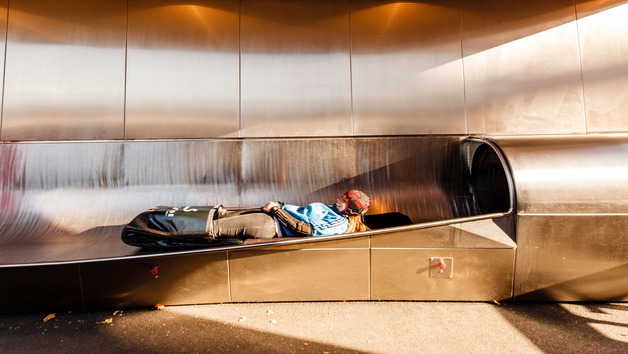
{"x": 358, "y": 202}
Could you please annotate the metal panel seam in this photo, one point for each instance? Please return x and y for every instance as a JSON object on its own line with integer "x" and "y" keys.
{"x": 4, "y": 67}
{"x": 584, "y": 103}
{"x": 126, "y": 68}
{"x": 229, "y": 275}
{"x": 80, "y": 278}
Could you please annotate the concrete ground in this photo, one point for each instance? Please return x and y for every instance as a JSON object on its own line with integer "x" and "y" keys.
{"x": 327, "y": 327}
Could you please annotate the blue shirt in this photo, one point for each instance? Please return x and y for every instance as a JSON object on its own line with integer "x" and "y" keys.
{"x": 325, "y": 219}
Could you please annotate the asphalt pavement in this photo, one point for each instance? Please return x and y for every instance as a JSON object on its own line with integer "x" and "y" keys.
{"x": 326, "y": 327}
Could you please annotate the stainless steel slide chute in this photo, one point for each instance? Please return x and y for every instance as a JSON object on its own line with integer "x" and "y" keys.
{"x": 442, "y": 221}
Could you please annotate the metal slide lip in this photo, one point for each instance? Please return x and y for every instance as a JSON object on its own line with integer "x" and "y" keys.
{"x": 276, "y": 242}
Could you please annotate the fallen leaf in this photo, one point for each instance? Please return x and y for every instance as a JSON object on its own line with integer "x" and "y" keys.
{"x": 109, "y": 320}
{"x": 49, "y": 317}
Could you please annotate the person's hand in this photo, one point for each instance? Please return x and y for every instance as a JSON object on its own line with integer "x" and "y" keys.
{"x": 270, "y": 206}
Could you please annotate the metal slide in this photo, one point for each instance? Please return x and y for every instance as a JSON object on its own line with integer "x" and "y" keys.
{"x": 73, "y": 252}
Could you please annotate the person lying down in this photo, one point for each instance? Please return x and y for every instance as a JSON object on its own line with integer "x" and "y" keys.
{"x": 185, "y": 226}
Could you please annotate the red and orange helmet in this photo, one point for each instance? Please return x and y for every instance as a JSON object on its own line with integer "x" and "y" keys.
{"x": 358, "y": 202}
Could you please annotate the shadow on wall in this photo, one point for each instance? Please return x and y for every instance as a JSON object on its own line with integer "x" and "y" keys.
{"x": 487, "y": 24}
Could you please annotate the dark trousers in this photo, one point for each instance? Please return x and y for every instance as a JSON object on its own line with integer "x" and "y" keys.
{"x": 245, "y": 224}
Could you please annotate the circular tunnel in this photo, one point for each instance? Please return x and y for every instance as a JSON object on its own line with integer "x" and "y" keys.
{"x": 489, "y": 183}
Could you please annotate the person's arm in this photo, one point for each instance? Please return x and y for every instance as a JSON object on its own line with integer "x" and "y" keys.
{"x": 295, "y": 225}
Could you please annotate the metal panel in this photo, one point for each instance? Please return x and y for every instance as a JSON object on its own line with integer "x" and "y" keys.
{"x": 68, "y": 201}
{"x": 296, "y": 77}
{"x": 299, "y": 275}
{"x": 4, "y": 6}
{"x": 569, "y": 174}
{"x": 489, "y": 234}
{"x": 604, "y": 47}
{"x": 419, "y": 177}
{"x": 406, "y": 68}
{"x": 296, "y": 171}
{"x": 572, "y": 258}
{"x": 174, "y": 280}
{"x": 521, "y": 65}
{"x": 65, "y": 70}
{"x": 183, "y": 69}
{"x": 349, "y": 243}
{"x": 45, "y": 288}
{"x": 478, "y": 275}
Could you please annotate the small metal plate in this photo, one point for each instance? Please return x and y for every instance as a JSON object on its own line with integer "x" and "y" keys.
{"x": 441, "y": 267}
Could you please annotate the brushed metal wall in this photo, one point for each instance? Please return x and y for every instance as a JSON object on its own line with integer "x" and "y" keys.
{"x": 4, "y": 8}
{"x": 317, "y": 272}
{"x": 138, "y": 69}
{"x": 572, "y": 257}
{"x": 603, "y": 38}
{"x": 302, "y": 171}
{"x": 522, "y": 68}
{"x": 69, "y": 200}
{"x": 65, "y": 70}
{"x": 295, "y": 68}
{"x": 406, "y": 68}
{"x": 182, "y": 69}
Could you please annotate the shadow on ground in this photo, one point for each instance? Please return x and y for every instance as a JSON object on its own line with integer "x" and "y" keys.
{"x": 569, "y": 327}
{"x": 141, "y": 331}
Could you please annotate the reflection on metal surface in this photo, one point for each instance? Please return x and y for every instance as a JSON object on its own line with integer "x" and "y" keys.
{"x": 389, "y": 169}
{"x": 193, "y": 279}
{"x": 80, "y": 194}
{"x": 572, "y": 258}
{"x": 569, "y": 174}
{"x": 572, "y": 213}
{"x": 404, "y": 274}
{"x": 182, "y": 69}
{"x": 295, "y": 70}
{"x": 65, "y": 69}
{"x": 276, "y": 68}
{"x": 487, "y": 24}
{"x": 496, "y": 233}
{"x": 406, "y": 68}
{"x": 603, "y": 37}
{"x": 46, "y": 288}
{"x": 522, "y": 81}
{"x": 304, "y": 275}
